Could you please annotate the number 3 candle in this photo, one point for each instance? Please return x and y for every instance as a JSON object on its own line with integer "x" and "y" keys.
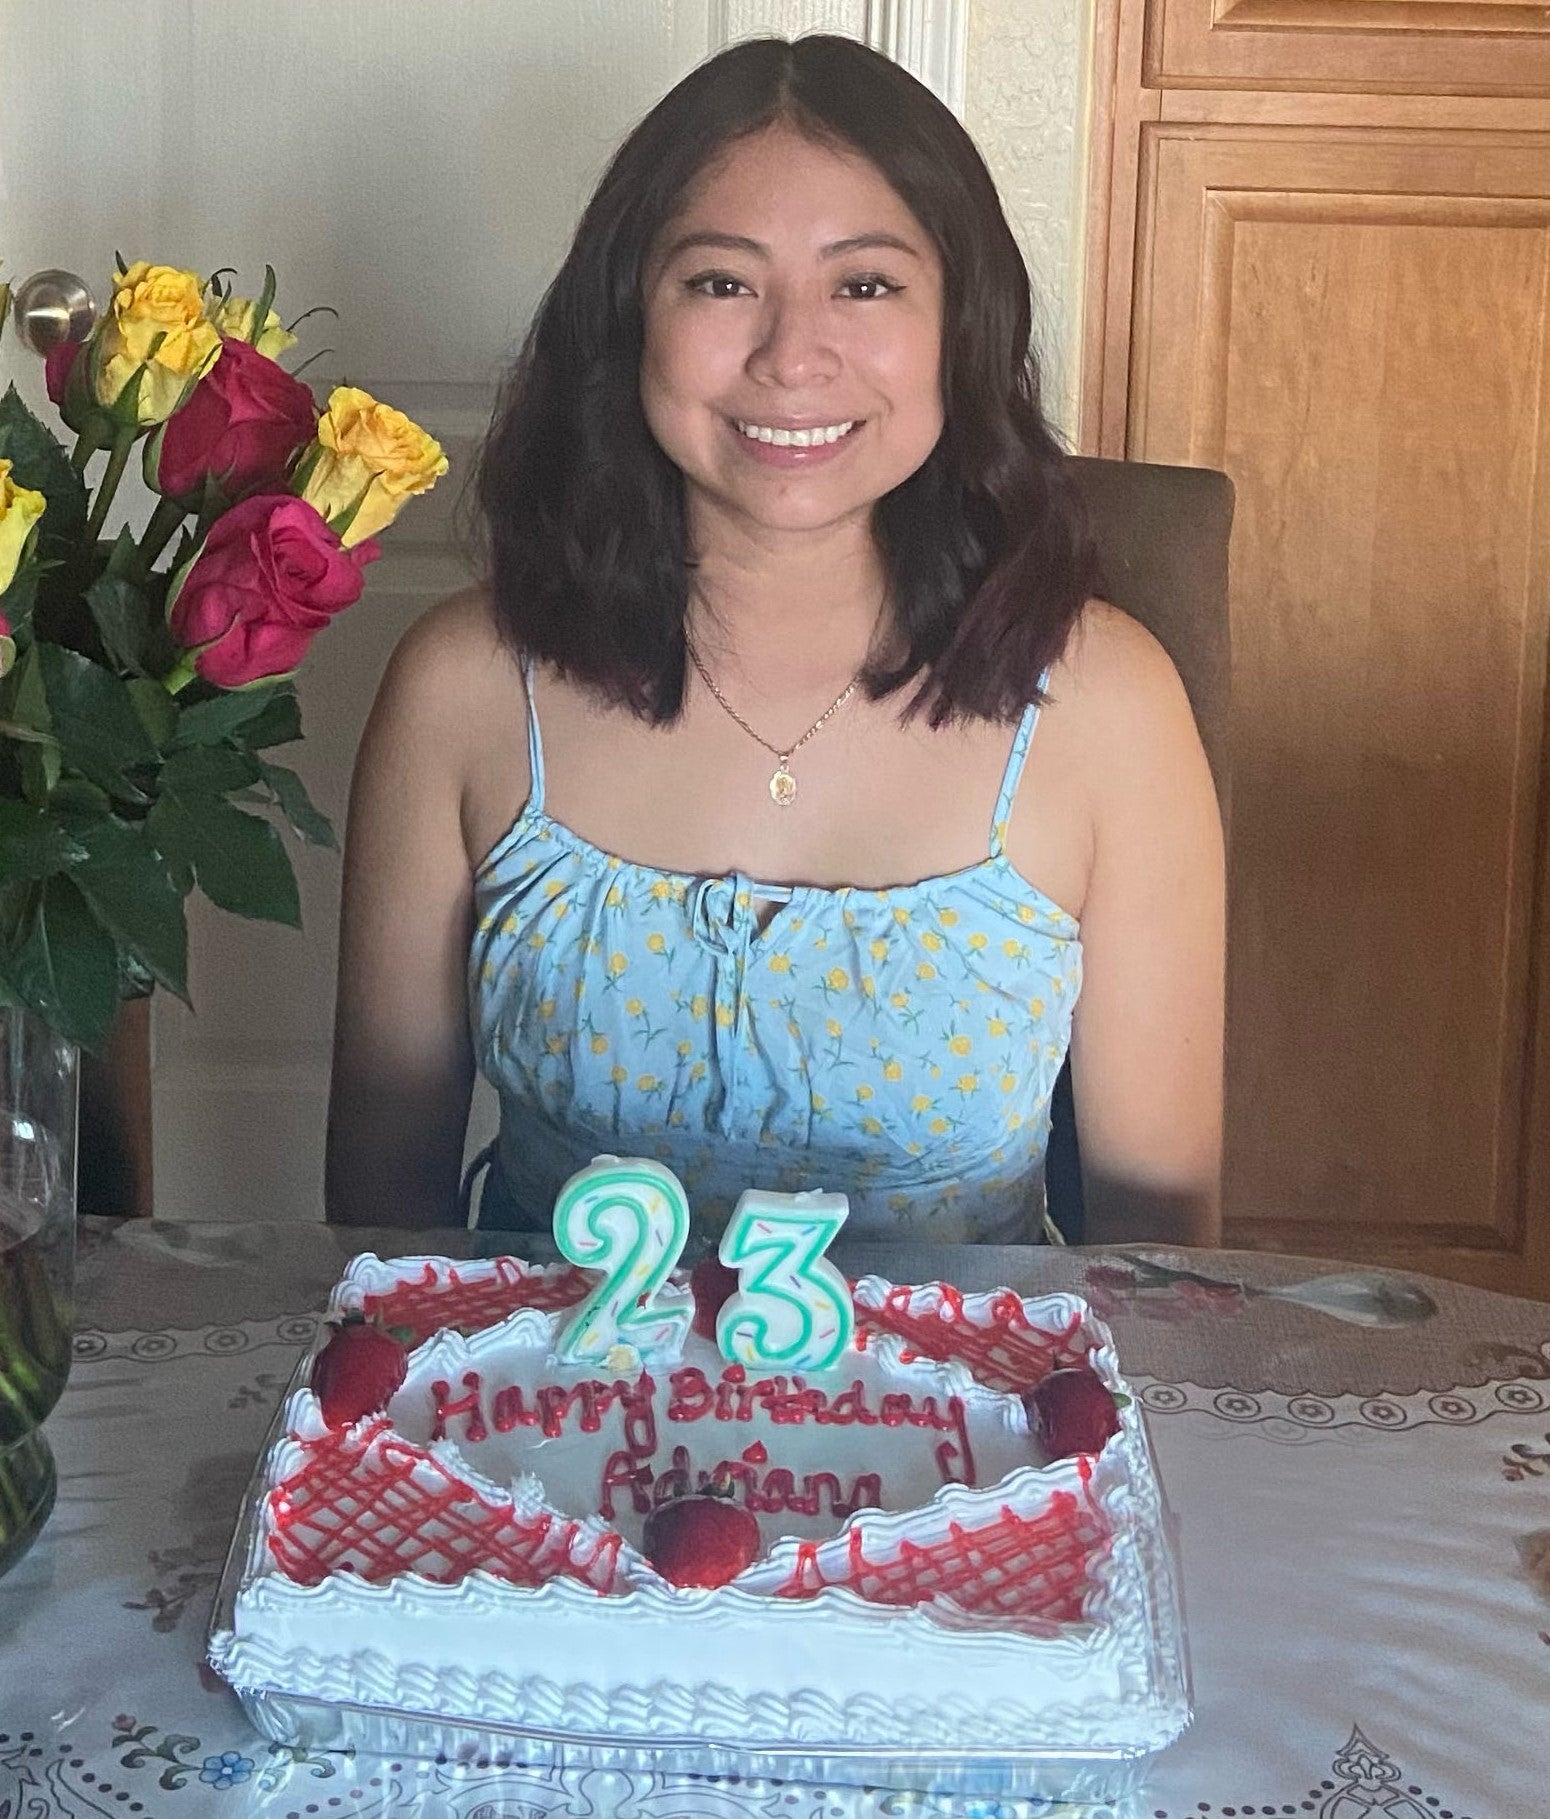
{"x": 629, "y": 1219}
{"x": 792, "y": 1310}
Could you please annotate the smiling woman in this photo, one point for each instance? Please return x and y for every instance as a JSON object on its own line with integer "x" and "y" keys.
{"x": 770, "y": 480}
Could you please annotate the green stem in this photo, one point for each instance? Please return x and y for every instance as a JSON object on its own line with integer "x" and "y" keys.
{"x": 181, "y": 673}
{"x": 165, "y": 520}
{"x": 123, "y": 441}
{"x": 86, "y": 444}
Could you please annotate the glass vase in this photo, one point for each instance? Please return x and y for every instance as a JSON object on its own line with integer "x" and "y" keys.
{"x": 38, "y": 1107}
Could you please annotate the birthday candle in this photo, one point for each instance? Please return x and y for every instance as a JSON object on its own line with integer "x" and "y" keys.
{"x": 792, "y": 1310}
{"x": 628, "y": 1218}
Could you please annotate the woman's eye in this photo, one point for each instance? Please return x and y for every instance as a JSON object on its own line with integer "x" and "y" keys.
{"x": 866, "y": 286}
{"x": 715, "y": 284}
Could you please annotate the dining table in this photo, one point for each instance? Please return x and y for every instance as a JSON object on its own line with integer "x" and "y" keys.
{"x": 1355, "y": 1462}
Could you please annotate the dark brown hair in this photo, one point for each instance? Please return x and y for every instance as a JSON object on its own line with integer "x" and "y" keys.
{"x": 583, "y": 514}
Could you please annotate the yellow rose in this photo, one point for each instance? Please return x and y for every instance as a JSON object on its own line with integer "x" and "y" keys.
{"x": 157, "y": 323}
{"x": 369, "y": 452}
{"x": 234, "y": 318}
{"x": 20, "y": 509}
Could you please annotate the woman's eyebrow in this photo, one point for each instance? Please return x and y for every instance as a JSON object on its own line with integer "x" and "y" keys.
{"x": 740, "y": 243}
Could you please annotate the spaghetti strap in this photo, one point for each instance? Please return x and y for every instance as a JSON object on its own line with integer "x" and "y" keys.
{"x": 535, "y": 743}
{"x": 1017, "y": 758}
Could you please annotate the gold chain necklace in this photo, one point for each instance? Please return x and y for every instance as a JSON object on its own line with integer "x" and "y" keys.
{"x": 783, "y": 786}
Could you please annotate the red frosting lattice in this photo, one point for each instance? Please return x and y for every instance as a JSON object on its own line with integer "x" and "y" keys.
{"x": 366, "y": 1502}
{"x": 486, "y": 1293}
{"x": 1014, "y": 1566}
{"x": 1010, "y": 1354}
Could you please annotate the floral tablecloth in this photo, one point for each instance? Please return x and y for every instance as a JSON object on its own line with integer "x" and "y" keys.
{"x": 1359, "y": 1467}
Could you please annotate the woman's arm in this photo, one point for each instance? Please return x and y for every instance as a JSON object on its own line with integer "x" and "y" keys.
{"x": 403, "y": 1065}
{"x": 1147, "y": 1044}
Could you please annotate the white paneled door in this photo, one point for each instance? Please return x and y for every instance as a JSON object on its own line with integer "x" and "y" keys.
{"x": 418, "y": 165}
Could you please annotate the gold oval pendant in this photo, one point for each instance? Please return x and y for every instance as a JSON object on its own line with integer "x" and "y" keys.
{"x": 783, "y": 788}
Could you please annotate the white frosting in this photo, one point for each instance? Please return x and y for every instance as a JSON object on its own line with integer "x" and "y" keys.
{"x": 735, "y": 1665}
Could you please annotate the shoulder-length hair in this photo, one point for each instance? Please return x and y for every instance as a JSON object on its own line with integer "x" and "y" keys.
{"x": 586, "y": 548}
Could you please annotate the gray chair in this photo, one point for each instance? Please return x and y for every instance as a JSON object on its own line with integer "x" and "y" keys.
{"x": 1161, "y": 535}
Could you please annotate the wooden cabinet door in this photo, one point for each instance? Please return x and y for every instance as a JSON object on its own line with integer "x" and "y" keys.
{"x": 1354, "y": 326}
{"x": 1438, "y": 47}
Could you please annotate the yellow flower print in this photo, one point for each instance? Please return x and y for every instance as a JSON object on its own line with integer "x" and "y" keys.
{"x": 835, "y": 1027}
{"x": 893, "y": 1070}
{"x": 617, "y": 964}
{"x": 937, "y": 1126}
{"x": 1025, "y": 912}
{"x": 697, "y": 1072}
{"x": 648, "y": 1083}
{"x": 561, "y": 909}
{"x": 546, "y": 1009}
{"x": 947, "y": 917}
{"x": 838, "y": 978}
{"x": 898, "y": 1203}
{"x": 634, "y": 1007}
{"x": 724, "y": 1016}
{"x": 913, "y": 1148}
{"x": 996, "y": 1026}
{"x": 555, "y": 1045}
{"x": 661, "y": 890}
{"x": 510, "y": 925}
{"x": 1014, "y": 1121}
{"x": 864, "y": 1092}
{"x": 1036, "y": 1007}
{"x": 686, "y": 1048}
{"x": 871, "y": 1126}
{"x": 868, "y": 986}
{"x": 1009, "y": 1083}
{"x": 925, "y": 970}
{"x": 487, "y": 973}
{"x": 614, "y": 899}
{"x": 699, "y": 1004}
{"x": 960, "y": 1045}
{"x": 675, "y": 1116}
{"x": 977, "y": 942}
{"x": 931, "y": 940}
{"x": 656, "y": 944}
{"x": 599, "y": 1045}
{"x": 580, "y": 987}
{"x": 537, "y": 939}
{"x": 879, "y": 950}
{"x": 968, "y": 1083}
{"x": 820, "y": 1104}
{"x": 780, "y": 963}
{"x": 1014, "y": 950}
{"x": 554, "y": 887}
{"x": 619, "y": 1075}
{"x": 901, "y": 916}
{"x": 900, "y": 1001}
{"x": 921, "y": 1103}
{"x": 849, "y": 918}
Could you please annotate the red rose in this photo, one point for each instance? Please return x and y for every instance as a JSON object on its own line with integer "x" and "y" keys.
{"x": 56, "y": 368}
{"x": 270, "y": 576}
{"x": 243, "y": 422}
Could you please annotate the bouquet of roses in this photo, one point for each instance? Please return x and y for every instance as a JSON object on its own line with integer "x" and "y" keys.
{"x": 145, "y": 680}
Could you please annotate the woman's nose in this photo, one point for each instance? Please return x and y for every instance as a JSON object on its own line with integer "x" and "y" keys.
{"x": 795, "y": 348}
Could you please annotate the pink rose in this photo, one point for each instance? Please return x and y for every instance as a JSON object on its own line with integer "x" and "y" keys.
{"x": 270, "y": 576}
{"x": 243, "y": 422}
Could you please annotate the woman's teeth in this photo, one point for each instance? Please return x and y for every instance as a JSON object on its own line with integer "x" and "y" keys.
{"x": 796, "y": 438}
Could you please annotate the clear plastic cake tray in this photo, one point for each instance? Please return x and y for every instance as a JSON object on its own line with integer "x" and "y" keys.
{"x": 1079, "y": 1773}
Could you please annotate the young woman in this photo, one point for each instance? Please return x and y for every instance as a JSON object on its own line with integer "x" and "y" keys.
{"x": 782, "y": 807}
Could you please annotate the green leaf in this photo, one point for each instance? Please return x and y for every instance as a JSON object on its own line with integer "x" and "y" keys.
{"x": 208, "y": 770}
{"x": 32, "y": 844}
{"x": 296, "y": 805}
{"x": 38, "y": 461}
{"x": 278, "y": 724}
{"x": 95, "y": 722}
{"x": 237, "y": 858}
{"x": 209, "y": 722}
{"x": 157, "y": 710}
{"x": 124, "y": 880}
{"x": 66, "y": 967}
{"x": 74, "y": 795}
{"x": 122, "y": 614}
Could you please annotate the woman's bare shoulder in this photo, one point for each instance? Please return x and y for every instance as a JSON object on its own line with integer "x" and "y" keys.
{"x": 1117, "y": 691}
